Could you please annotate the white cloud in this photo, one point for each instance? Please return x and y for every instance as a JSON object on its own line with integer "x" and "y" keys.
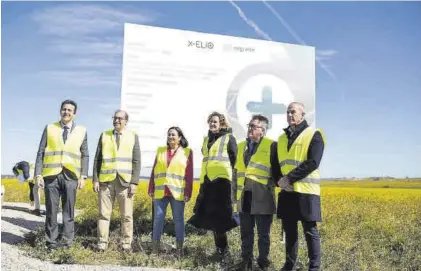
{"x": 88, "y": 46}
{"x": 22, "y": 131}
{"x": 93, "y": 62}
{"x": 88, "y": 78}
{"x": 89, "y": 37}
{"x": 88, "y": 19}
{"x": 325, "y": 54}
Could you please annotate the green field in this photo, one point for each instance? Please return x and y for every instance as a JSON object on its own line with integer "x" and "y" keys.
{"x": 368, "y": 225}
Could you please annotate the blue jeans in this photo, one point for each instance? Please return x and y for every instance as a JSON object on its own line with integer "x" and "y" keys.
{"x": 160, "y": 210}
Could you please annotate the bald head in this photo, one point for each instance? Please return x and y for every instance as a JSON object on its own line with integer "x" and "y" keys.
{"x": 295, "y": 113}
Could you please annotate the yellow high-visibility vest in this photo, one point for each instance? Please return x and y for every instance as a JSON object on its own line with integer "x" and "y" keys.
{"x": 58, "y": 155}
{"x": 216, "y": 162}
{"x": 117, "y": 160}
{"x": 289, "y": 160}
{"x": 172, "y": 176}
{"x": 258, "y": 168}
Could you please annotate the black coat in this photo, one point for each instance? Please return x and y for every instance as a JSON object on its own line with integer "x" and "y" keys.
{"x": 298, "y": 206}
{"x": 213, "y": 209}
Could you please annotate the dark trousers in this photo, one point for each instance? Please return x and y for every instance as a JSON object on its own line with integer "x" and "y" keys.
{"x": 312, "y": 237}
{"x": 31, "y": 191}
{"x": 56, "y": 188}
{"x": 221, "y": 240}
{"x": 263, "y": 223}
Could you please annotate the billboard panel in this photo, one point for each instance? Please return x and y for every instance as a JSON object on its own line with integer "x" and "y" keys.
{"x": 176, "y": 77}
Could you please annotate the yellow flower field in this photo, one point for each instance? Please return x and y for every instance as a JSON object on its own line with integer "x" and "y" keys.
{"x": 367, "y": 225}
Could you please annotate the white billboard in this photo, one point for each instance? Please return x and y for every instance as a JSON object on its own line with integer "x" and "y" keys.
{"x": 174, "y": 77}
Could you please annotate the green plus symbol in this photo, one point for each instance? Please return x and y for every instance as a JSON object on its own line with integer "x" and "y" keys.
{"x": 267, "y": 107}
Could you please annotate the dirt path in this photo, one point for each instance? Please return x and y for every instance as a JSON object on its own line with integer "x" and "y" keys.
{"x": 15, "y": 222}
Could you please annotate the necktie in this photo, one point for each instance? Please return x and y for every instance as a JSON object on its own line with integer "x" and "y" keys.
{"x": 117, "y": 140}
{"x": 65, "y": 133}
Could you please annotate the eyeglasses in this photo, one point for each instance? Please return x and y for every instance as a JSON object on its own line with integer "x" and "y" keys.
{"x": 118, "y": 118}
{"x": 252, "y": 126}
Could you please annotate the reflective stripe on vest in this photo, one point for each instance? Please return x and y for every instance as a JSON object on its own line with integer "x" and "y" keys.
{"x": 258, "y": 168}
{"x": 289, "y": 160}
{"x": 216, "y": 162}
{"x": 172, "y": 176}
{"x": 117, "y": 161}
{"x": 58, "y": 155}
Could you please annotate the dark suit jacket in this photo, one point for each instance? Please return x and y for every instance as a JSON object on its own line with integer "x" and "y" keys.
{"x": 135, "y": 163}
{"x": 67, "y": 173}
{"x": 24, "y": 166}
{"x": 258, "y": 199}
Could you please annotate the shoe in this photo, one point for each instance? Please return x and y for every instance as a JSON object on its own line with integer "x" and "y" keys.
{"x": 244, "y": 265}
{"x": 51, "y": 248}
{"x": 126, "y": 248}
{"x": 101, "y": 247}
{"x": 263, "y": 268}
{"x": 224, "y": 256}
{"x": 263, "y": 264}
{"x": 36, "y": 212}
{"x": 180, "y": 250}
{"x": 156, "y": 246}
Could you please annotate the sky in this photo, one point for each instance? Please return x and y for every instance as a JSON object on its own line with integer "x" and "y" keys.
{"x": 368, "y": 70}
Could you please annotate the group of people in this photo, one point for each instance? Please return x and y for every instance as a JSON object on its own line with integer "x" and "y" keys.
{"x": 234, "y": 175}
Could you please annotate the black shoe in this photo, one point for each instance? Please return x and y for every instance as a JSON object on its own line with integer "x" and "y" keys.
{"x": 263, "y": 264}
{"x": 51, "y": 249}
{"x": 65, "y": 246}
{"x": 36, "y": 212}
{"x": 244, "y": 265}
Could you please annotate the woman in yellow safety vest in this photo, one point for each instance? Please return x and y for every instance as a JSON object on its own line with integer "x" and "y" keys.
{"x": 171, "y": 182}
{"x": 213, "y": 209}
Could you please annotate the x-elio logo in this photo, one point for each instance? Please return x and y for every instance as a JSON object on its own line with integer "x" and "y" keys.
{"x": 201, "y": 44}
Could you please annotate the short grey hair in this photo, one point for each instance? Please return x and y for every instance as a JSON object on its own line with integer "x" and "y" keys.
{"x": 262, "y": 119}
{"x": 301, "y": 105}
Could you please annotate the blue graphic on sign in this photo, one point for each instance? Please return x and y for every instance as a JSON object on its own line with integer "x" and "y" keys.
{"x": 267, "y": 107}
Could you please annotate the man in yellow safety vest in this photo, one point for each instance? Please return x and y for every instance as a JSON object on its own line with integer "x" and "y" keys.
{"x": 116, "y": 176}
{"x": 256, "y": 171}
{"x": 300, "y": 150}
{"x": 61, "y": 167}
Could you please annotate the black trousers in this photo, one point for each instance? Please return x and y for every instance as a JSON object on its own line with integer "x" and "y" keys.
{"x": 56, "y": 188}
{"x": 263, "y": 223}
{"x": 312, "y": 237}
{"x": 31, "y": 191}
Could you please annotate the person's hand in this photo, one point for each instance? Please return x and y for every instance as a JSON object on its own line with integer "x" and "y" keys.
{"x": 186, "y": 199}
{"x": 150, "y": 194}
{"x": 80, "y": 183}
{"x": 132, "y": 190}
{"x": 284, "y": 184}
{"x": 96, "y": 187}
{"x": 40, "y": 181}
